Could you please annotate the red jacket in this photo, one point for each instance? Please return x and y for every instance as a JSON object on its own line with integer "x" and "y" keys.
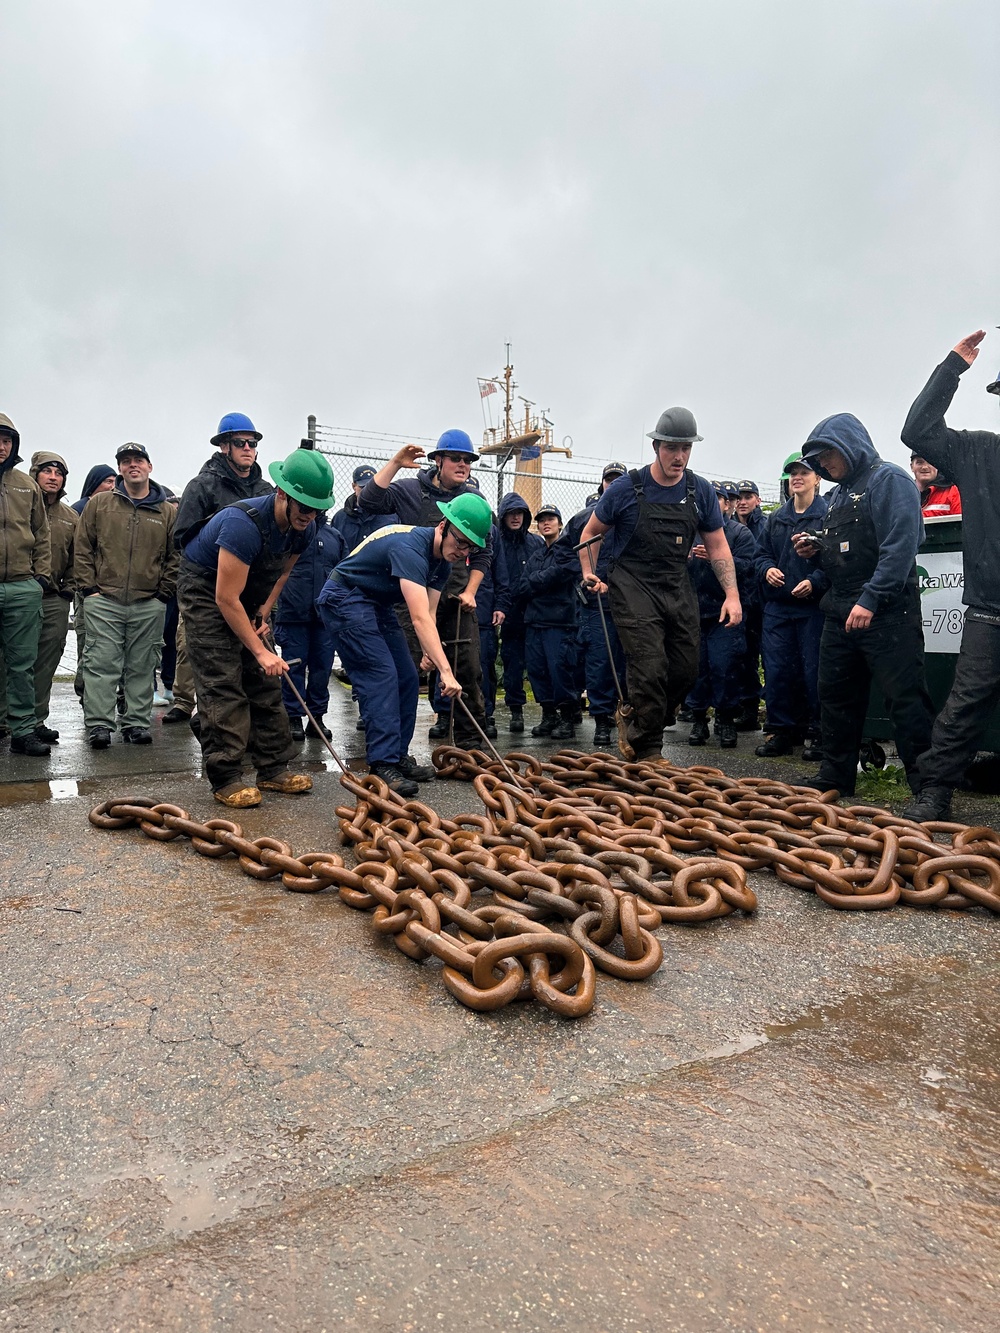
{"x": 940, "y": 501}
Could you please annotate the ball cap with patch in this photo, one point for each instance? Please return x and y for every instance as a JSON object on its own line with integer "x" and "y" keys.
{"x": 613, "y": 470}
{"x": 747, "y": 488}
{"x": 362, "y": 474}
{"x": 548, "y": 511}
{"x": 131, "y": 448}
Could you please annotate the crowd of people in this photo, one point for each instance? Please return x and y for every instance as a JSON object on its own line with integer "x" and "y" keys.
{"x": 667, "y": 596}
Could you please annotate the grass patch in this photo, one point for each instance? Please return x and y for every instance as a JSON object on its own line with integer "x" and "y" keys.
{"x": 884, "y": 784}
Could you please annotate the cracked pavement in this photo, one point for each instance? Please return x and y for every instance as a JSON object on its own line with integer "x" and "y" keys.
{"x": 225, "y": 1106}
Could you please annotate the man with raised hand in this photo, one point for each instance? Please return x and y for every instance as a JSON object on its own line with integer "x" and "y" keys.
{"x": 415, "y": 500}
{"x": 970, "y": 458}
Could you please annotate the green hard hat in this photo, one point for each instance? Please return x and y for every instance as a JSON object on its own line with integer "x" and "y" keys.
{"x": 471, "y": 514}
{"x": 307, "y": 477}
{"x": 795, "y": 458}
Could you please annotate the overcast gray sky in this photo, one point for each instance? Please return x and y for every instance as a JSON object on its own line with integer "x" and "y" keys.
{"x": 766, "y": 210}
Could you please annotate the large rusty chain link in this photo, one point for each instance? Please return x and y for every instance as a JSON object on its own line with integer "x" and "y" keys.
{"x": 584, "y": 856}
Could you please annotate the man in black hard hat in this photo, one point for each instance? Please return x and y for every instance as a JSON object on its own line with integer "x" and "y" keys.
{"x": 971, "y": 458}
{"x": 654, "y": 514}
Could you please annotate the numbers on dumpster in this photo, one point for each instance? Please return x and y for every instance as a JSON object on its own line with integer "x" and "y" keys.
{"x": 945, "y": 620}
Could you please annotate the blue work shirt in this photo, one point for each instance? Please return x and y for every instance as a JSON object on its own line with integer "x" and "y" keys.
{"x": 233, "y": 530}
{"x": 389, "y": 555}
{"x": 619, "y": 509}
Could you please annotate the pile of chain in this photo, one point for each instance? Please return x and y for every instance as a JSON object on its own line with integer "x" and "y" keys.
{"x": 856, "y": 857}
{"x": 584, "y": 856}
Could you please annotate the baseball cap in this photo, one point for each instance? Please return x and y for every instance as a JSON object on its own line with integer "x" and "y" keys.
{"x": 547, "y": 511}
{"x": 613, "y": 470}
{"x": 362, "y": 474}
{"x": 132, "y": 448}
{"x": 750, "y": 486}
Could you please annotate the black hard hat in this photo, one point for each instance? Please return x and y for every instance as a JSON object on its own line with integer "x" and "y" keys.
{"x": 676, "y": 425}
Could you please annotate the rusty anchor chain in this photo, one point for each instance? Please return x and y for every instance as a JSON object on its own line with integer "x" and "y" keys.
{"x": 584, "y": 857}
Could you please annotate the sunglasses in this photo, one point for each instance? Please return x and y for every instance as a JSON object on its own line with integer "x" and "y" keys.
{"x": 305, "y": 510}
{"x": 243, "y": 444}
{"x": 456, "y": 458}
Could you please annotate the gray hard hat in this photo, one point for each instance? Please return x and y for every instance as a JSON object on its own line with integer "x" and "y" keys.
{"x": 676, "y": 425}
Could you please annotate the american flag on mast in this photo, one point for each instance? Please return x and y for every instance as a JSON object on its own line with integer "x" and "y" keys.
{"x": 486, "y": 387}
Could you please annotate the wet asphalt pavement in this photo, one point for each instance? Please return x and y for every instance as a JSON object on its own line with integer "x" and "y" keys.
{"x": 229, "y": 1107}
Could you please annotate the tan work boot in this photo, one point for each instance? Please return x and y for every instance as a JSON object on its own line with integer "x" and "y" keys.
{"x": 289, "y": 784}
{"x": 238, "y": 795}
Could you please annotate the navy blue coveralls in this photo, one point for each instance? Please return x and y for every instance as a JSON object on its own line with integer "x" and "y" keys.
{"x": 517, "y": 547}
{"x": 300, "y": 629}
{"x": 723, "y": 647}
{"x": 793, "y": 626}
{"x": 369, "y": 637}
{"x": 549, "y": 582}
{"x": 602, "y": 697}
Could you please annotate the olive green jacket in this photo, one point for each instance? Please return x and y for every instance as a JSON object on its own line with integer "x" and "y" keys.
{"x": 62, "y": 528}
{"x": 25, "y": 551}
{"x": 125, "y": 548}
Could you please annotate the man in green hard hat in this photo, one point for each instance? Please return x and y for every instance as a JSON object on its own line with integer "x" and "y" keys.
{"x": 399, "y": 564}
{"x": 232, "y": 573}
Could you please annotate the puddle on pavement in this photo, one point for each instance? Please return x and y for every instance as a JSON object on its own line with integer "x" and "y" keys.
{"x": 59, "y": 789}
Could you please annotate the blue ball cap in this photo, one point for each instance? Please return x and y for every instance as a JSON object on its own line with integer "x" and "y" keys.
{"x": 233, "y": 423}
{"x": 362, "y": 474}
{"x": 548, "y": 511}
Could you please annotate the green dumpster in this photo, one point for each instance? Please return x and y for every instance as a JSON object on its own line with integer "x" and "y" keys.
{"x": 939, "y": 564}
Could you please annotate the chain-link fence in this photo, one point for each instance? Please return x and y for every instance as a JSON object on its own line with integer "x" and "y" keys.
{"x": 567, "y": 492}
{"x": 566, "y": 488}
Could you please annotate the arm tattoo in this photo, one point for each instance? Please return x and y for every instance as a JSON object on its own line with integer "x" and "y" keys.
{"x": 725, "y": 571}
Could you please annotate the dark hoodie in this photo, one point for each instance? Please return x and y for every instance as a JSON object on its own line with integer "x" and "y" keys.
{"x": 971, "y": 459}
{"x": 215, "y": 486}
{"x": 517, "y": 547}
{"x": 95, "y": 476}
{"x": 886, "y": 498}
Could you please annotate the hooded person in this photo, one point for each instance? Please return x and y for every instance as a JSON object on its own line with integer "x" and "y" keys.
{"x": 49, "y": 471}
{"x": 513, "y": 522}
{"x": 972, "y": 458}
{"x": 99, "y": 478}
{"x": 126, "y": 572}
{"x": 26, "y": 565}
{"x": 232, "y": 573}
{"x": 415, "y": 501}
{"x": 873, "y": 629}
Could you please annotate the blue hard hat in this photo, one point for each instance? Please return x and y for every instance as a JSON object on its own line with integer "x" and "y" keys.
{"x": 454, "y": 442}
{"x": 235, "y": 423}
